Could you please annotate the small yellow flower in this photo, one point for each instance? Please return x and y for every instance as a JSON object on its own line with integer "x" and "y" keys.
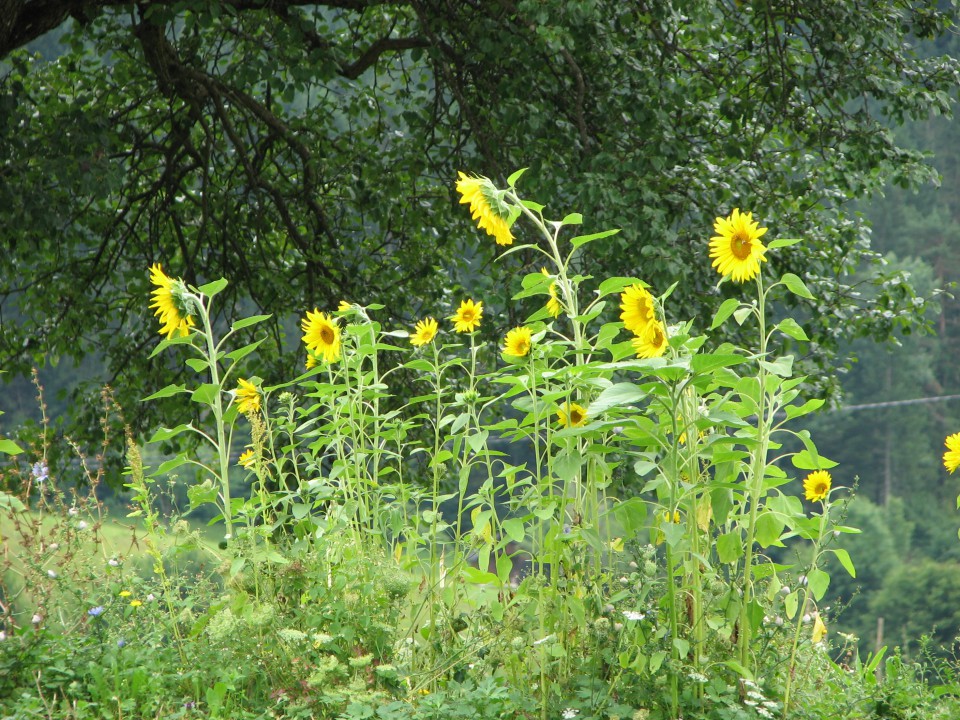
{"x": 311, "y": 360}
{"x": 467, "y": 317}
{"x": 247, "y": 459}
{"x": 321, "y": 334}
{"x": 518, "y": 342}
{"x": 572, "y": 415}
{"x": 817, "y": 485}
{"x": 638, "y": 308}
{"x": 136, "y": 603}
{"x": 652, "y": 342}
{"x": 486, "y": 206}
{"x": 425, "y": 332}
{"x": 125, "y": 593}
{"x": 344, "y": 306}
{"x": 553, "y": 304}
{"x": 736, "y": 248}
{"x": 819, "y": 629}
{"x": 951, "y": 458}
{"x": 168, "y": 304}
{"x": 248, "y": 397}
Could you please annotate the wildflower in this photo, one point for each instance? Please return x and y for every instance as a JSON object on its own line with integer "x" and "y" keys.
{"x": 638, "y": 308}
{"x": 169, "y": 303}
{"x": 517, "y": 342}
{"x": 113, "y": 562}
{"x": 736, "y": 248}
{"x": 819, "y": 629}
{"x": 247, "y": 459}
{"x": 95, "y": 611}
{"x": 248, "y": 397}
{"x": 151, "y": 598}
{"x": 82, "y": 525}
{"x": 321, "y": 335}
{"x": 424, "y": 332}
{"x": 40, "y": 471}
{"x": 817, "y": 485}
{"x": 36, "y": 619}
{"x": 311, "y": 360}
{"x": 633, "y": 615}
{"x": 136, "y": 603}
{"x": 125, "y": 593}
{"x": 572, "y": 415}
{"x": 72, "y": 512}
{"x": 570, "y": 713}
{"x": 121, "y": 642}
{"x": 53, "y": 546}
{"x": 3, "y": 635}
{"x": 951, "y": 458}
{"x": 52, "y": 574}
{"x": 652, "y": 342}
{"x": 553, "y": 304}
{"x": 486, "y": 207}
{"x": 467, "y": 317}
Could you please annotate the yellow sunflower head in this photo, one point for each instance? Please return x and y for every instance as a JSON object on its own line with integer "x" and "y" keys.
{"x": 247, "y": 459}
{"x": 311, "y": 360}
{"x": 572, "y": 415}
{"x": 518, "y": 342}
{"x": 487, "y": 207}
{"x": 951, "y": 458}
{"x": 638, "y": 308}
{"x": 652, "y": 342}
{"x": 425, "y": 332}
{"x": 321, "y": 334}
{"x": 344, "y": 306}
{"x": 467, "y": 317}
{"x": 553, "y": 304}
{"x": 169, "y": 304}
{"x": 816, "y": 485}
{"x": 736, "y": 248}
{"x": 248, "y": 397}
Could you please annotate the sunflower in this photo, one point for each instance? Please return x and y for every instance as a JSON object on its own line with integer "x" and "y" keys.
{"x": 951, "y": 458}
{"x": 344, "y": 306}
{"x": 425, "y": 332}
{"x": 247, "y": 459}
{"x": 817, "y": 485}
{"x": 467, "y": 317}
{"x": 517, "y": 342}
{"x": 652, "y": 342}
{"x": 553, "y": 304}
{"x": 321, "y": 335}
{"x": 736, "y": 248}
{"x": 169, "y": 304}
{"x": 638, "y": 308}
{"x": 311, "y": 360}
{"x": 486, "y": 206}
{"x": 248, "y": 396}
{"x": 572, "y": 415}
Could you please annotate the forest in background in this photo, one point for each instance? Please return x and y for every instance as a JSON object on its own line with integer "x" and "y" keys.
{"x": 908, "y": 554}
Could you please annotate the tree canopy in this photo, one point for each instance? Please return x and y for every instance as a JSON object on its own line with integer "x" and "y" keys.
{"x": 307, "y": 153}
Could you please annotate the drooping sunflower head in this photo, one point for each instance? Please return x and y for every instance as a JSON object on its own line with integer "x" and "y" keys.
{"x": 553, "y": 304}
{"x": 518, "y": 342}
{"x": 169, "y": 304}
{"x": 311, "y": 360}
{"x": 247, "y": 459}
{"x": 819, "y": 629}
{"x": 638, "y": 308}
{"x": 736, "y": 248}
{"x": 344, "y": 306}
{"x": 321, "y": 334}
{"x": 424, "y": 332}
{"x": 487, "y": 207}
{"x": 816, "y": 485}
{"x": 951, "y": 458}
{"x": 467, "y": 317}
{"x": 652, "y": 342}
{"x": 572, "y": 415}
{"x": 248, "y": 397}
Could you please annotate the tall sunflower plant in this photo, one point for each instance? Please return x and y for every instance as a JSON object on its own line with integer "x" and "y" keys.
{"x": 650, "y": 449}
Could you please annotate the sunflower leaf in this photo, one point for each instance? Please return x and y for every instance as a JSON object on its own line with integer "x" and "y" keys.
{"x": 166, "y": 392}
{"x": 9, "y": 447}
{"x": 572, "y": 219}
{"x": 212, "y": 288}
{"x": 791, "y": 328}
{"x": 783, "y": 242}
{"x": 724, "y": 311}
{"x": 584, "y": 239}
{"x": 796, "y": 286}
{"x": 844, "y": 557}
{"x": 252, "y": 320}
{"x": 512, "y": 180}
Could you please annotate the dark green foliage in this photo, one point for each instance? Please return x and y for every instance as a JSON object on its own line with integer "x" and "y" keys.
{"x": 308, "y": 154}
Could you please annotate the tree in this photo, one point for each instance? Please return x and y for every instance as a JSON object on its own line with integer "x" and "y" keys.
{"x": 307, "y": 152}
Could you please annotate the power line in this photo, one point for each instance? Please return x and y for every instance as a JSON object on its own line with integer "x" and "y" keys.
{"x": 895, "y": 403}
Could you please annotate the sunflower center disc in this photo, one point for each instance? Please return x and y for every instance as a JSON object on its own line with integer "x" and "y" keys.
{"x": 740, "y": 246}
{"x": 326, "y": 334}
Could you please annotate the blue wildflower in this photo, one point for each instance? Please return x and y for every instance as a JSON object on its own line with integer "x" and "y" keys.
{"x": 95, "y": 611}
{"x": 40, "y": 471}
{"x": 121, "y": 642}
